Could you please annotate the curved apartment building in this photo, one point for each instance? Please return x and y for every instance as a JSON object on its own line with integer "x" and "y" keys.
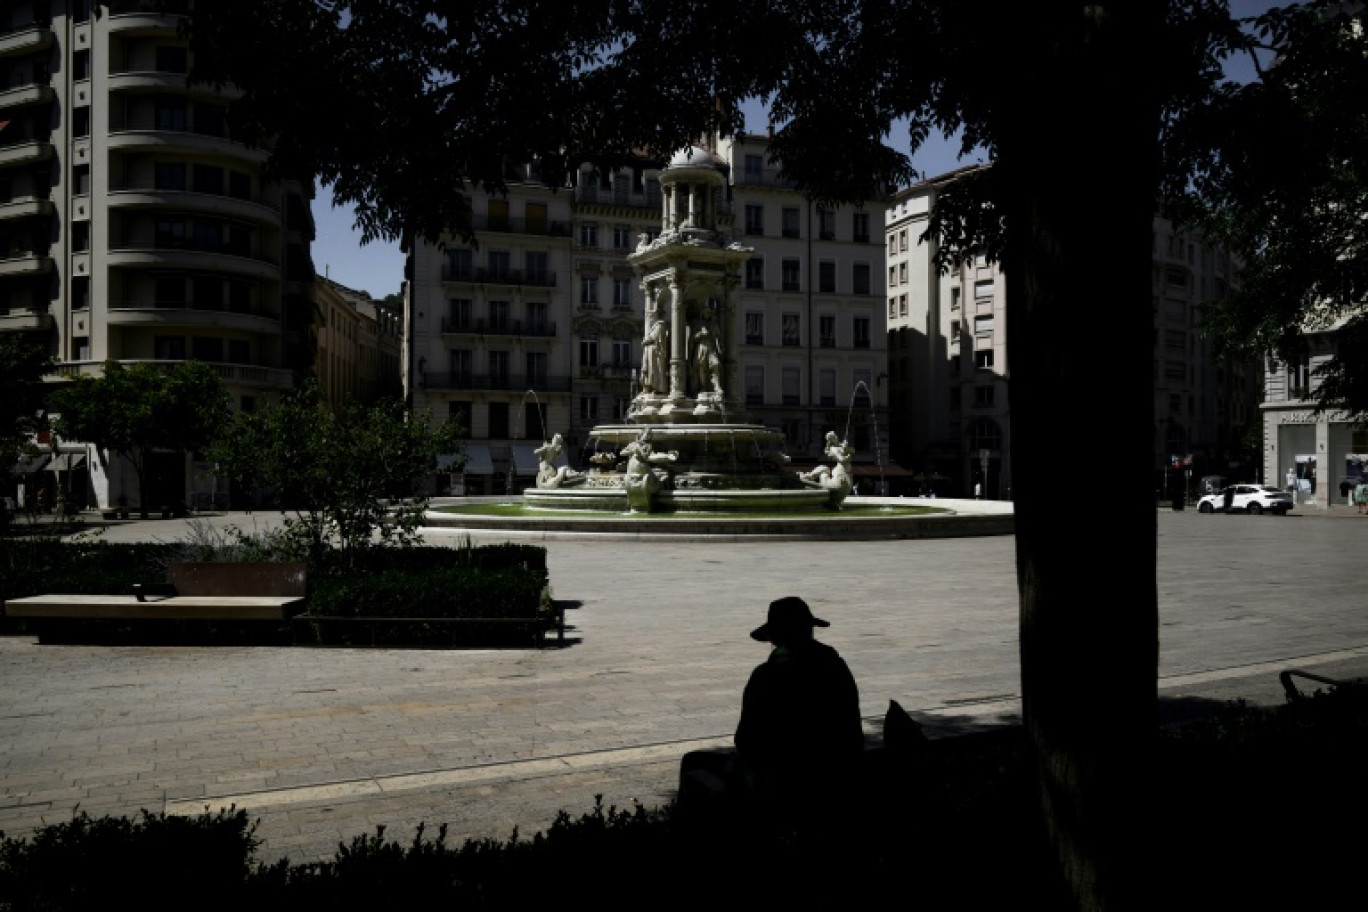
{"x": 133, "y": 227}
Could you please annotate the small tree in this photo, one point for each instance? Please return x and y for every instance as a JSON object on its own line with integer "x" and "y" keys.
{"x": 131, "y": 411}
{"x": 347, "y": 473}
{"x": 22, "y": 365}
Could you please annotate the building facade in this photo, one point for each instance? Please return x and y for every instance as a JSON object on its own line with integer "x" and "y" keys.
{"x": 950, "y": 374}
{"x": 133, "y": 227}
{"x": 356, "y": 345}
{"x": 1310, "y": 453}
{"x": 539, "y": 328}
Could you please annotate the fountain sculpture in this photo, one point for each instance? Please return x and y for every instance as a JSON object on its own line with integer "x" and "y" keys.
{"x": 686, "y": 446}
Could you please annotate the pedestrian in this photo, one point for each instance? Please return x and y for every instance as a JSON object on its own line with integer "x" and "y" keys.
{"x": 1361, "y": 494}
{"x": 799, "y": 740}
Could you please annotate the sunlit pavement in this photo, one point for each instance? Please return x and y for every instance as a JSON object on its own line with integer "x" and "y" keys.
{"x": 324, "y": 744}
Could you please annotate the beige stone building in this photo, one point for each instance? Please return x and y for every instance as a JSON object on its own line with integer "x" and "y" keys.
{"x": 356, "y": 345}
{"x": 133, "y": 227}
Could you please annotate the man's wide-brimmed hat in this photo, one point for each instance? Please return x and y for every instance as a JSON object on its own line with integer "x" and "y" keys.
{"x": 788, "y": 613}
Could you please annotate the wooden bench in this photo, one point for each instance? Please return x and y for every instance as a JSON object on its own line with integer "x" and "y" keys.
{"x": 193, "y": 592}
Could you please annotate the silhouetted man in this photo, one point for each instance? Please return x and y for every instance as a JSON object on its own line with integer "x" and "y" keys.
{"x": 800, "y": 739}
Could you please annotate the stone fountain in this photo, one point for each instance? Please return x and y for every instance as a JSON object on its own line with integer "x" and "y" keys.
{"x": 686, "y": 445}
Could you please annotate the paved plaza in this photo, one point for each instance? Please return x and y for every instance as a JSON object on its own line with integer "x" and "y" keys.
{"x": 324, "y": 744}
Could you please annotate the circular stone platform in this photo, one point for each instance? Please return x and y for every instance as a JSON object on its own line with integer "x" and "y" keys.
{"x": 944, "y": 519}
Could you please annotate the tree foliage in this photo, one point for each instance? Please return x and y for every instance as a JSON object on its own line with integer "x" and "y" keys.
{"x": 346, "y": 473}
{"x": 132, "y": 410}
{"x": 22, "y": 366}
{"x": 1279, "y": 175}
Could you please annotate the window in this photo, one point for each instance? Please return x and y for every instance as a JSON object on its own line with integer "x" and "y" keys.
{"x": 954, "y": 299}
{"x": 499, "y": 264}
{"x": 902, "y": 273}
{"x": 859, "y": 227}
{"x": 240, "y": 297}
{"x": 790, "y": 332}
{"x": 622, "y": 237}
{"x": 498, "y": 316}
{"x": 790, "y": 275}
{"x": 902, "y": 240}
{"x": 860, "y": 327}
{"x": 859, "y": 279}
{"x": 535, "y": 214}
{"x": 498, "y": 420}
{"x": 589, "y": 234}
{"x": 983, "y": 288}
{"x": 537, "y": 322}
{"x": 80, "y": 65}
{"x": 206, "y": 349}
{"x": 169, "y": 176}
{"x": 1175, "y": 340}
{"x": 498, "y": 372}
{"x": 459, "y": 262}
{"x": 588, "y": 409}
{"x": 460, "y": 413}
{"x": 170, "y": 291}
{"x": 622, "y": 352}
{"x": 462, "y": 367}
{"x": 983, "y": 396}
{"x": 1174, "y": 371}
{"x": 622, "y": 292}
{"x": 790, "y": 222}
{"x": 498, "y": 215}
{"x": 534, "y": 424}
{"x": 589, "y": 352}
{"x": 80, "y": 179}
{"x": 208, "y": 292}
{"x": 755, "y": 273}
{"x": 207, "y": 179}
{"x": 80, "y": 236}
{"x": 826, "y": 224}
{"x": 791, "y": 378}
{"x": 826, "y": 276}
{"x": 536, "y": 369}
{"x": 172, "y": 60}
{"x": 169, "y": 114}
{"x": 538, "y": 268}
{"x": 239, "y": 351}
{"x": 168, "y": 348}
{"x": 983, "y": 324}
{"x": 862, "y": 380}
{"x": 755, "y": 219}
{"x": 826, "y": 386}
{"x": 1175, "y": 277}
{"x": 80, "y": 122}
{"x": 892, "y": 244}
{"x": 892, "y": 308}
{"x": 755, "y": 327}
{"x": 892, "y": 276}
{"x": 827, "y": 330}
{"x": 755, "y": 385}
{"x": 983, "y": 359}
{"x": 902, "y": 305}
{"x": 622, "y": 189}
{"x": 754, "y": 167}
{"x": 589, "y": 289}
{"x": 653, "y": 193}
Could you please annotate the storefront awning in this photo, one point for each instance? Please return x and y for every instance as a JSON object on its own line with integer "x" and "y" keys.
{"x": 525, "y": 459}
{"x": 478, "y": 460}
{"x": 446, "y": 460}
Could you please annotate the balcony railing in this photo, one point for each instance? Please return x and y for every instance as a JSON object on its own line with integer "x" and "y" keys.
{"x": 539, "y": 227}
{"x": 463, "y": 381}
{"x": 147, "y": 186}
{"x": 487, "y": 276}
{"x": 268, "y": 313}
{"x": 498, "y": 328}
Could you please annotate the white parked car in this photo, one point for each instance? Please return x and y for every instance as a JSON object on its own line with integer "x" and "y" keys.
{"x": 1247, "y": 498}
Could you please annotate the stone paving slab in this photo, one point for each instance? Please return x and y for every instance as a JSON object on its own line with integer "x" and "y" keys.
{"x": 324, "y": 744}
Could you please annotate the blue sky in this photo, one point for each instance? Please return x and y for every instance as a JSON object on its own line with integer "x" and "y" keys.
{"x": 379, "y": 267}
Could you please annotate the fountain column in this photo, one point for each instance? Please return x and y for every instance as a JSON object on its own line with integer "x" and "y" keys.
{"x": 678, "y": 338}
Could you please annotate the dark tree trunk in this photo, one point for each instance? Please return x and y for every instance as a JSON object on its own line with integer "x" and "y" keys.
{"x": 1077, "y": 161}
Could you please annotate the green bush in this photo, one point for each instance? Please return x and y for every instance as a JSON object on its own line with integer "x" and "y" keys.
{"x": 147, "y": 862}
{"x": 450, "y": 592}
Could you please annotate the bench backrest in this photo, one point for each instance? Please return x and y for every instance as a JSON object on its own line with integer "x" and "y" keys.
{"x": 212, "y": 579}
